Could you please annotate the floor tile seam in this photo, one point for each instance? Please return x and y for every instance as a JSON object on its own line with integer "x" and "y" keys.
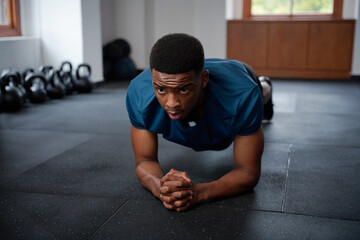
{"x": 309, "y": 114}
{"x": 313, "y": 144}
{"x": 283, "y": 201}
{"x": 108, "y": 220}
{"x": 61, "y": 194}
{"x": 350, "y": 92}
{"x": 57, "y": 131}
{"x": 307, "y": 215}
{"x": 297, "y": 111}
{"x": 43, "y": 130}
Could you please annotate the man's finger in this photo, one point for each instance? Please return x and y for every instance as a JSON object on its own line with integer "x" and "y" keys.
{"x": 169, "y": 189}
{"x": 181, "y": 209}
{"x": 173, "y": 183}
{"x": 167, "y": 199}
{"x": 182, "y": 202}
{"x": 182, "y": 194}
{"x": 173, "y": 174}
{"x": 177, "y": 183}
{"x": 171, "y": 178}
{"x": 168, "y": 206}
{"x": 183, "y": 175}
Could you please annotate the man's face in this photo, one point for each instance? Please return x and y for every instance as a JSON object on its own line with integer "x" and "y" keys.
{"x": 179, "y": 93}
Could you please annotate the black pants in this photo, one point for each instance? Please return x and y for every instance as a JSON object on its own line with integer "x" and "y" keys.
{"x": 253, "y": 75}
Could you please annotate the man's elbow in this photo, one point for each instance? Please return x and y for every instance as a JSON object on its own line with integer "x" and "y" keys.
{"x": 251, "y": 180}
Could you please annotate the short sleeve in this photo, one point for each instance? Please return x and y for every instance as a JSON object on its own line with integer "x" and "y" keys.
{"x": 132, "y": 106}
{"x": 249, "y": 115}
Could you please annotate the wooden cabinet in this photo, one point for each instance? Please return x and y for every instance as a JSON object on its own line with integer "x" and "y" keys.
{"x": 287, "y": 46}
{"x": 293, "y": 49}
{"x": 330, "y": 46}
{"x": 248, "y": 41}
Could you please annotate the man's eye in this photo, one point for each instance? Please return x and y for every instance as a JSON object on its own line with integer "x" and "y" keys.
{"x": 183, "y": 90}
{"x": 160, "y": 90}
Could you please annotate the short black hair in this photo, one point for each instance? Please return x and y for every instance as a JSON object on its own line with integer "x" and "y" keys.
{"x": 177, "y": 53}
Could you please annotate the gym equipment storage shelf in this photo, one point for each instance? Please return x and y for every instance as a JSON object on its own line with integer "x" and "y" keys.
{"x": 314, "y": 49}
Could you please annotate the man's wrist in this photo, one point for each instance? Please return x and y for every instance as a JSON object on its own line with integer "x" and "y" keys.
{"x": 156, "y": 189}
{"x": 202, "y": 191}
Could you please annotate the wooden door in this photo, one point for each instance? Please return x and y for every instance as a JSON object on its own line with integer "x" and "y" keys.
{"x": 287, "y": 45}
{"x": 247, "y": 42}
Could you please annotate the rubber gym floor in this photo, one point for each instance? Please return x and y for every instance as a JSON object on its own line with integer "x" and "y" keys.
{"x": 67, "y": 172}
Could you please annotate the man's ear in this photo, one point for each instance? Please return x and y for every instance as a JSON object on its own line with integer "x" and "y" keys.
{"x": 204, "y": 78}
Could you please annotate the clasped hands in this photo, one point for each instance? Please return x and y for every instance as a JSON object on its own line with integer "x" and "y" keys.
{"x": 177, "y": 191}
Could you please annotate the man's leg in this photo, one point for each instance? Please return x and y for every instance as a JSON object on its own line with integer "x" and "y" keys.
{"x": 267, "y": 97}
{"x": 265, "y": 86}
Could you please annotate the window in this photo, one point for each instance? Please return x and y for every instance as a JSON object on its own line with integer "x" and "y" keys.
{"x": 292, "y": 8}
{"x": 9, "y": 18}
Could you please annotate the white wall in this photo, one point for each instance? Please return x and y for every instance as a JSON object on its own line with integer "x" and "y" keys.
{"x": 61, "y": 31}
{"x": 107, "y": 21}
{"x": 91, "y": 37}
{"x": 356, "y": 51}
{"x": 30, "y": 17}
{"x": 129, "y": 24}
{"x": 349, "y": 9}
{"x": 210, "y": 27}
{"x": 204, "y": 19}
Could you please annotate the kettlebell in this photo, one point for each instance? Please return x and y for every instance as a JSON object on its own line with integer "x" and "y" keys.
{"x": 13, "y": 97}
{"x": 1, "y": 102}
{"x": 54, "y": 87}
{"x": 26, "y": 72}
{"x": 66, "y": 77}
{"x": 83, "y": 82}
{"x": 20, "y": 86}
{"x": 45, "y": 69}
{"x": 35, "y": 85}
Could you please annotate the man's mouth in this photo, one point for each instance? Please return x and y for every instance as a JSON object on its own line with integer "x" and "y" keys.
{"x": 174, "y": 115}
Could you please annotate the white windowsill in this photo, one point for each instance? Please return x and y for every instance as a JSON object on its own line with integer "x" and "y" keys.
{"x": 17, "y": 38}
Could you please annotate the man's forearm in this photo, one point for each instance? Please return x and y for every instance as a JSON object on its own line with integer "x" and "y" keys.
{"x": 233, "y": 183}
{"x": 149, "y": 174}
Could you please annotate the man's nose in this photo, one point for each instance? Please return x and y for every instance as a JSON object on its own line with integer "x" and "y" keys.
{"x": 172, "y": 101}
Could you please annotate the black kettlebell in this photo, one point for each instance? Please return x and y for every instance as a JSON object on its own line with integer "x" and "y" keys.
{"x": 83, "y": 82}
{"x": 12, "y": 96}
{"x": 26, "y": 72}
{"x": 45, "y": 69}
{"x": 1, "y": 102}
{"x": 20, "y": 86}
{"x": 66, "y": 77}
{"x": 54, "y": 87}
{"x": 35, "y": 85}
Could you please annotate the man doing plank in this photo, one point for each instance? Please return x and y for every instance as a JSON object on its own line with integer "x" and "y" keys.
{"x": 204, "y": 104}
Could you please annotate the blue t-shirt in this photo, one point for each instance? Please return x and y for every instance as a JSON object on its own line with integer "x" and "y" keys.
{"x": 233, "y": 106}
